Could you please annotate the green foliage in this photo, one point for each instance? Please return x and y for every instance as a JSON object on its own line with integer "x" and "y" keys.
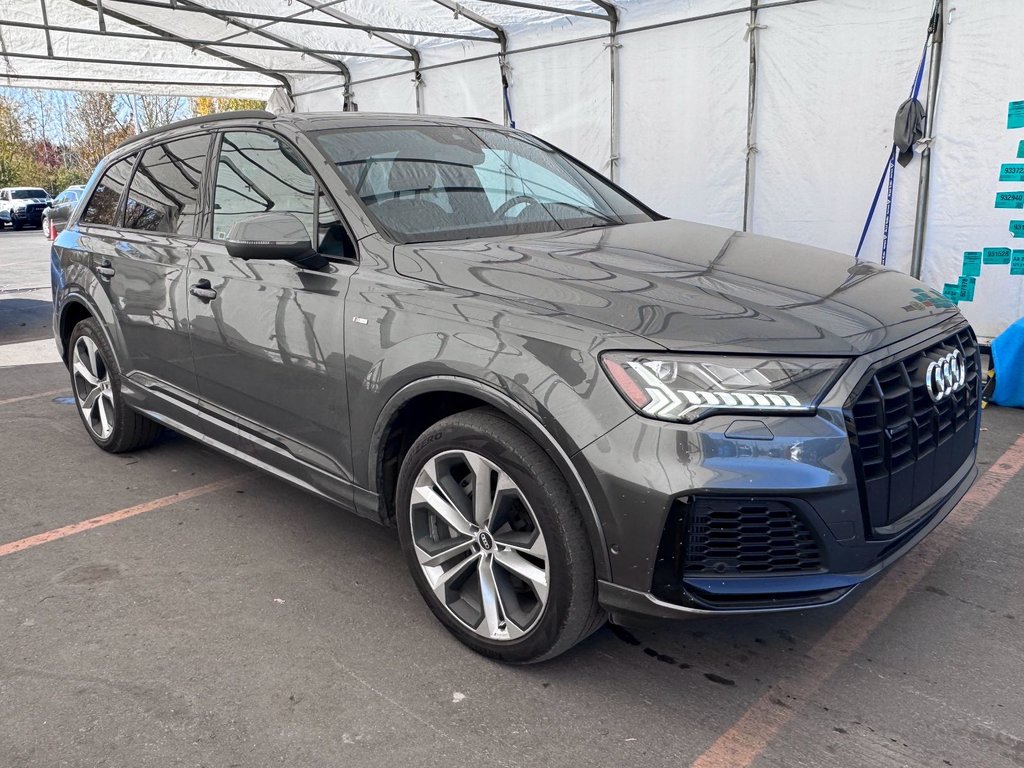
{"x": 206, "y": 105}
{"x": 53, "y": 140}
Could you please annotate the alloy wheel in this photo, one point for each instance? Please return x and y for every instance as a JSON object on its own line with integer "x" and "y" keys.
{"x": 93, "y": 388}
{"x": 479, "y": 545}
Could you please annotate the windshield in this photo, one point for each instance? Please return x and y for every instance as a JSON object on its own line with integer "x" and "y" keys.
{"x": 28, "y": 194}
{"x": 429, "y": 183}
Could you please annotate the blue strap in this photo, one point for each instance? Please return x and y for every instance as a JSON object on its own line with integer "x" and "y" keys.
{"x": 890, "y": 172}
{"x": 508, "y": 104}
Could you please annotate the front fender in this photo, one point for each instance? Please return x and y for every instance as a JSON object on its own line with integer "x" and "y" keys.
{"x": 524, "y": 419}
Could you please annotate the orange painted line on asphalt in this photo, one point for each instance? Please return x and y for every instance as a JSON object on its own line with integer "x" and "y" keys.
{"x": 113, "y": 517}
{"x": 748, "y": 737}
{"x": 52, "y": 393}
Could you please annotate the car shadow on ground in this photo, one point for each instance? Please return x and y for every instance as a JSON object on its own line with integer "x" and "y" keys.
{"x": 24, "y": 319}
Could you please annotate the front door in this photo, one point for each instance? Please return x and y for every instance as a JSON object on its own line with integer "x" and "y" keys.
{"x": 268, "y": 336}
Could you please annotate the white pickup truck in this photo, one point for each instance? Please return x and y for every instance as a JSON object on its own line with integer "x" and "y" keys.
{"x": 22, "y": 206}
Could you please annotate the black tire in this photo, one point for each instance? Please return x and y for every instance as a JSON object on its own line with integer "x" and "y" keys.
{"x": 16, "y": 225}
{"x": 128, "y": 429}
{"x": 571, "y": 611}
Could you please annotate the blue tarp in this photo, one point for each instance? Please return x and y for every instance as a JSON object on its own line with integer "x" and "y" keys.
{"x": 1008, "y": 360}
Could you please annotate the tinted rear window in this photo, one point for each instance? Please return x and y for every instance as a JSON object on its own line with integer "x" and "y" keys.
{"x": 102, "y": 208}
{"x": 164, "y": 194}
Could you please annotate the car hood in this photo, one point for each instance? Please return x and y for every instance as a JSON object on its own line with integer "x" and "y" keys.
{"x": 692, "y": 287}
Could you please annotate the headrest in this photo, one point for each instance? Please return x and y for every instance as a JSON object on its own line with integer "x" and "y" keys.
{"x": 409, "y": 173}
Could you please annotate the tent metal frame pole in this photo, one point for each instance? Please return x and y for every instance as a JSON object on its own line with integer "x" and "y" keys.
{"x": 46, "y": 23}
{"x": 587, "y": 39}
{"x": 198, "y": 43}
{"x": 243, "y": 64}
{"x": 613, "y": 45}
{"x": 550, "y": 9}
{"x": 356, "y": 25}
{"x": 385, "y": 35}
{"x": 751, "y": 149}
{"x": 160, "y": 64}
{"x": 499, "y": 33}
{"x": 924, "y": 182}
{"x": 102, "y": 22}
{"x": 272, "y": 23}
{"x": 229, "y": 19}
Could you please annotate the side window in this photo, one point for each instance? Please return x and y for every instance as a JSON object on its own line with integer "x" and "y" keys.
{"x": 73, "y": 195}
{"x": 102, "y": 208}
{"x": 164, "y": 194}
{"x": 257, "y": 173}
{"x": 62, "y": 197}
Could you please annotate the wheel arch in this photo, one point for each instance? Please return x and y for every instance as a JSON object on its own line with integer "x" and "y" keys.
{"x": 453, "y": 394}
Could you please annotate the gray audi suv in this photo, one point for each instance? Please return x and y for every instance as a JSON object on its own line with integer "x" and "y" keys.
{"x": 569, "y": 406}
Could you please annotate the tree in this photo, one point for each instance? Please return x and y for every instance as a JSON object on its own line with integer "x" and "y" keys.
{"x": 15, "y": 160}
{"x": 99, "y": 126}
{"x": 155, "y": 111}
{"x": 207, "y": 105}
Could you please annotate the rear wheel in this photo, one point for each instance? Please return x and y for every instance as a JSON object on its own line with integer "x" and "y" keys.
{"x": 494, "y": 541}
{"x": 96, "y": 382}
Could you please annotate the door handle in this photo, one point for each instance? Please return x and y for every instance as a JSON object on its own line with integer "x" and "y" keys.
{"x": 105, "y": 269}
{"x": 202, "y": 290}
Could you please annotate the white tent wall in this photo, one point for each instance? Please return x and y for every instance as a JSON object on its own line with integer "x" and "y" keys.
{"x": 972, "y": 141}
{"x": 831, "y": 75}
{"x": 684, "y": 133}
{"x": 471, "y": 88}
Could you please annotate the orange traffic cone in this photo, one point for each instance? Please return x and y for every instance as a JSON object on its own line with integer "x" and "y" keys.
{"x": 53, "y": 231}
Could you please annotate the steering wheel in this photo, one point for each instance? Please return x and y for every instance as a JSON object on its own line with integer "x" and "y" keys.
{"x": 512, "y": 202}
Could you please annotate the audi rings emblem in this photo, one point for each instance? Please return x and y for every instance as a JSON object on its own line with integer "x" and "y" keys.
{"x": 946, "y": 375}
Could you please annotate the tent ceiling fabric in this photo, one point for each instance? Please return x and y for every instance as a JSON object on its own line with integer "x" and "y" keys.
{"x": 247, "y": 48}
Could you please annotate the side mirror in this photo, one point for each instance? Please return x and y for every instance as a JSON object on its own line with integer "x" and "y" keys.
{"x": 269, "y": 237}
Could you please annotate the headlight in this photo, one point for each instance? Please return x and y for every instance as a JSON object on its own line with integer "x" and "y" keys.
{"x": 685, "y": 388}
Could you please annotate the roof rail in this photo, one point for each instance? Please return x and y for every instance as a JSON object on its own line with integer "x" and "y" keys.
{"x": 251, "y": 114}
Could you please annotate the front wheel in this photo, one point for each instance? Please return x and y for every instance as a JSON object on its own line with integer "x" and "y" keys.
{"x": 494, "y": 541}
{"x": 96, "y": 382}
{"x": 16, "y": 225}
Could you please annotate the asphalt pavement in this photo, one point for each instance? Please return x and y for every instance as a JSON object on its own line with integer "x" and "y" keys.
{"x": 173, "y": 608}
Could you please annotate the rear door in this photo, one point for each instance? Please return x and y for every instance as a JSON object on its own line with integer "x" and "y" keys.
{"x": 147, "y": 266}
{"x": 269, "y": 346}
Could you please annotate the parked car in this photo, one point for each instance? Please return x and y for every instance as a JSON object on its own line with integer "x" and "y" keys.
{"x": 56, "y": 215}
{"x": 567, "y": 404}
{"x": 22, "y": 206}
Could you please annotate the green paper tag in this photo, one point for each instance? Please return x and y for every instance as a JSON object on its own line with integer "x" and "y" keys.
{"x": 1020, "y": 149}
{"x": 1015, "y": 115}
{"x": 1017, "y": 227}
{"x": 967, "y": 284}
{"x": 972, "y": 263}
{"x": 1011, "y": 172}
{"x": 996, "y": 256}
{"x": 952, "y": 292}
{"x": 1017, "y": 263}
{"x": 1010, "y": 200}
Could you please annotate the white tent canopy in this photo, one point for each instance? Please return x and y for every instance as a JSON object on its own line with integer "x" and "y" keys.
{"x": 772, "y": 116}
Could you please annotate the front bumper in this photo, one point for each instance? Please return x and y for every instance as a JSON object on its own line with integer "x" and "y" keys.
{"x": 766, "y": 594}
{"x": 749, "y": 514}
